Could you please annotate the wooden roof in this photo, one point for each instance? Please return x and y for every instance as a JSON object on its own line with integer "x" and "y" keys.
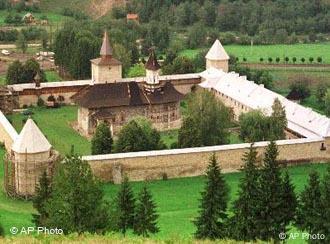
{"x": 125, "y": 94}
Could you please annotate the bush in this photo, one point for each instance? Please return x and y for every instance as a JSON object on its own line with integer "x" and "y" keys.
{"x": 40, "y": 102}
{"x": 261, "y": 60}
{"x": 319, "y": 59}
{"x": 278, "y": 60}
{"x": 51, "y": 98}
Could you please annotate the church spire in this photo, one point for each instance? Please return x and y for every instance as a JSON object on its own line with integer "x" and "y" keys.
{"x": 152, "y": 63}
{"x": 106, "y": 50}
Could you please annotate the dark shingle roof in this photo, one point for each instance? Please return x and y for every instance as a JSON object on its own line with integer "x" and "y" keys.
{"x": 152, "y": 63}
{"x": 124, "y": 94}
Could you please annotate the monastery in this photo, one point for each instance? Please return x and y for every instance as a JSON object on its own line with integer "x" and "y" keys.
{"x": 109, "y": 98}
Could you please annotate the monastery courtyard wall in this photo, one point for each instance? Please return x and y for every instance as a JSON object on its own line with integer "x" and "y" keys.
{"x": 189, "y": 162}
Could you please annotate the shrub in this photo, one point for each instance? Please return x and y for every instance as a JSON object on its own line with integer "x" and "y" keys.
{"x": 319, "y": 59}
{"x": 261, "y": 60}
{"x": 286, "y": 59}
{"x": 51, "y": 98}
{"x": 40, "y": 102}
{"x": 278, "y": 60}
{"x": 270, "y": 59}
{"x": 303, "y": 60}
{"x": 244, "y": 59}
{"x": 294, "y": 59}
{"x": 311, "y": 59}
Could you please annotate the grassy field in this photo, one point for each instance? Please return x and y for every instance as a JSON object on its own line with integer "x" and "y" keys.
{"x": 53, "y": 18}
{"x": 55, "y": 125}
{"x": 253, "y": 54}
{"x": 52, "y": 76}
{"x": 176, "y": 199}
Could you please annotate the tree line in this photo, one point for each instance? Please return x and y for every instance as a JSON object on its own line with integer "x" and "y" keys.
{"x": 267, "y": 205}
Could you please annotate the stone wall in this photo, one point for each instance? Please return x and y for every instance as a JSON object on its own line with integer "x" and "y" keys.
{"x": 7, "y": 132}
{"x": 193, "y": 161}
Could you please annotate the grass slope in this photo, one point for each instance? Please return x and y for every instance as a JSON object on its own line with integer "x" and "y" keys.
{"x": 253, "y": 54}
{"x": 176, "y": 199}
{"x": 55, "y": 124}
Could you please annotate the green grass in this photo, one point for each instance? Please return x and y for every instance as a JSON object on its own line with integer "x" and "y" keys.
{"x": 57, "y": 6}
{"x": 52, "y": 76}
{"x": 53, "y": 18}
{"x": 2, "y": 80}
{"x": 169, "y": 137}
{"x": 55, "y": 124}
{"x": 177, "y": 200}
{"x": 253, "y": 54}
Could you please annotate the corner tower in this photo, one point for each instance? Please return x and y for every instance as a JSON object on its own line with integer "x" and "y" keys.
{"x": 152, "y": 72}
{"x": 106, "y": 69}
{"x": 30, "y": 156}
{"x": 217, "y": 57}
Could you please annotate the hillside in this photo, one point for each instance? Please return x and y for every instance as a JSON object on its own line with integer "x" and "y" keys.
{"x": 94, "y": 8}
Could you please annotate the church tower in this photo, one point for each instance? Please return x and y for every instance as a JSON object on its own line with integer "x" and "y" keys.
{"x": 106, "y": 69}
{"x": 152, "y": 72}
{"x": 217, "y": 57}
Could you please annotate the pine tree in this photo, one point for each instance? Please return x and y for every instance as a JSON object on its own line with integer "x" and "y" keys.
{"x": 310, "y": 211}
{"x": 212, "y": 214}
{"x": 325, "y": 200}
{"x": 42, "y": 196}
{"x": 125, "y": 206}
{"x": 76, "y": 203}
{"x": 243, "y": 224}
{"x": 278, "y": 120}
{"x": 269, "y": 222}
{"x": 102, "y": 140}
{"x": 21, "y": 42}
{"x": 145, "y": 220}
{"x": 289, "y": 202}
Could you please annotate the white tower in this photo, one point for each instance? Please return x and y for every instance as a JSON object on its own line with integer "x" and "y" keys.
{"x": 106, "y": 69}
{"x": 217, "y": 57}
{"x": 152, "y": 72}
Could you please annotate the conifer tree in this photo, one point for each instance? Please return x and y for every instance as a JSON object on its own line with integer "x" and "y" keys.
{"x": 278, "y": 120}
{"x": 145, "y": 220}
{"x": 310, "y": 212}
{"x": 325, "y": 200}
{"x": 42, "y": 196}
{"x": 125, "y": 206}
{"x": 269, "y": 223}
{"x": 289, "y": 202}
{"x": 102, "y": 140}
{"x": 212, "y": 214}
{"x": 76, "y": 203}
{"x": 243, "y": 224}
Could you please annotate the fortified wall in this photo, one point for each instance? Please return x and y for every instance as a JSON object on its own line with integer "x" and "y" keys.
{"x": 189, "y": 162}
{"x": 28, "y": 94}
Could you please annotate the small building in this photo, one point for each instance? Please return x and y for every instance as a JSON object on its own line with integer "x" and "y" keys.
{"x": 117, "y": 103}
{"x": 132, "y": 17}
{"x": 217, "y": 57}
{"x": 106, "y": 69}
{"x": 28, "y": 18}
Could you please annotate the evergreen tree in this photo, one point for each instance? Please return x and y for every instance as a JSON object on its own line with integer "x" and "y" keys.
{"x": 102, "y": 140}
{"x": 325, "y": 200}
{"x": 243, "y": 224}
{"x": 125, "y": 206}
{"x": 14, "y": 73}
{"x": 270, "y": 222}
{"x": 206, "y": 122}
{"x": 278, "y": 120}
{"x": 42, "y": 196}
{"x": 289, "y": 202}
{"x": 145, "y": 220}
{"x": 21, "y": 42}
{"x": 76, "y": 203}
{"x": 310, "y": 211}
{"x": 212, "y": 214}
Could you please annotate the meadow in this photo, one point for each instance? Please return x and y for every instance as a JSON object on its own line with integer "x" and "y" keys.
{"x": 254, "y": 53}
{"x": 177, "y": 200}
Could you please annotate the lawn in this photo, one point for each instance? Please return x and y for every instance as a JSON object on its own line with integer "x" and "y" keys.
{"x": 254, "y": 53}
{"x": 52, "y": 76}
{"x": 55, "y": 124}
{"x": 53, "y": 18}
{"x": 176, "y": 199}
{"x": 2, "y": 80}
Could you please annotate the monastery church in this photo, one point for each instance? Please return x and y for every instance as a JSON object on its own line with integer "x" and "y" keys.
{"x": 109, "y": 98}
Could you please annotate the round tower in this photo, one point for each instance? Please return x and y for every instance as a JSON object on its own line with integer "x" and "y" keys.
{"x": 30, "y": 156}
{"x": 217, "y": 57}
{"x": 152, "y": 72}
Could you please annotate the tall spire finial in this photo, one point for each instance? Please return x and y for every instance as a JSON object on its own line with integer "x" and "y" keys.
{"x": 152, "y": 63}
{"x": 106, "y": 49}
